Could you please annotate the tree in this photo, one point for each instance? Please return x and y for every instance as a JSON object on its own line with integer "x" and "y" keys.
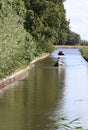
{"x": 46, "y": 20}
{"x": 73, "y": 38}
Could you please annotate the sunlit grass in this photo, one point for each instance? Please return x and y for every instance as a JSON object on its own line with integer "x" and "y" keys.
{"x": 84, "y": 52}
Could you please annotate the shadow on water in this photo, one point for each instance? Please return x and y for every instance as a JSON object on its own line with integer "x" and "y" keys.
{"x": 47, "y": 92}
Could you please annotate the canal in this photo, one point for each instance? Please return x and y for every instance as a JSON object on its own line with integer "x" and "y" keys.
{"x": 46, "y": 92}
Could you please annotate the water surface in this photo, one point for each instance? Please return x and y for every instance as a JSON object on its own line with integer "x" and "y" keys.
{"x": 46, "y": 92}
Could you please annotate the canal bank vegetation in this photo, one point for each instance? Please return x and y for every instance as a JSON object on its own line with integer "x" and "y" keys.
{"x": 63, "y": 123}
{"x": 84, "y": 52}
{"x": 28, "y": 28}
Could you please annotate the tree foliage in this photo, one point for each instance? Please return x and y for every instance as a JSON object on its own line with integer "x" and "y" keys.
{"x": 27, "y": 29}
{"x": 13, "y": 40}
{"x": 46, "y": 20}
{"x": 84, "y": 43}
{"x": 73, "y": 38}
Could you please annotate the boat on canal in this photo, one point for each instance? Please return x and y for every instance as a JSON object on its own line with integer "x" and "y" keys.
{"x": 58, "y": 63}
{"x": 61, "y": 53}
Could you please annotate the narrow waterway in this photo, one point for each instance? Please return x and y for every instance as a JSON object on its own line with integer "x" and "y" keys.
{"x": 45, "y": 92}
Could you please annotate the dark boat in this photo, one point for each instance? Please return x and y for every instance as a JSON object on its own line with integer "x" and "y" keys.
{"x": 60, "y": 53}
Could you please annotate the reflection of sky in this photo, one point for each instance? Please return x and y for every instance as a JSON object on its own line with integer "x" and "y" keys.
{"x": 72, "y": 57}
{"x": 77, "y": 13}
{"x": 73, "y": 77}
{"x": 76, "y": 93}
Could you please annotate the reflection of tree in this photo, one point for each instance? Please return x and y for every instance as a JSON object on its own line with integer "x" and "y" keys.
{"x": 43, "y": 95}
{"x": 29, "y": 104}
{"x": 60, "y": 72}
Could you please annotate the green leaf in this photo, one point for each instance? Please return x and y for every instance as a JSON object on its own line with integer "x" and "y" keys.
{"x": 79, "y": 128}
{"x": 73, "y": 121}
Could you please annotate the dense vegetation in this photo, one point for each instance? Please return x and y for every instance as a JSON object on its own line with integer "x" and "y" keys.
{"x": 29, "y": 28}
{"x": 13, "y": 39}
{"x": 46, "y": 21}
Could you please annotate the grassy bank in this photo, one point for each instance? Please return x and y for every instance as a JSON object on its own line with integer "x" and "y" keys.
{"x": 84, "y": 52}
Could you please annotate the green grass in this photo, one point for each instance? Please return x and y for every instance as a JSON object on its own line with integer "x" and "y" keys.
{"x": 84, "y": 52}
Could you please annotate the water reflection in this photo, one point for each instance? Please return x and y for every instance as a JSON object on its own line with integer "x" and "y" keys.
{"x": 47, "y": 92}
{"x": 76, "y": 96}
{"x": 29, "y": 104}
